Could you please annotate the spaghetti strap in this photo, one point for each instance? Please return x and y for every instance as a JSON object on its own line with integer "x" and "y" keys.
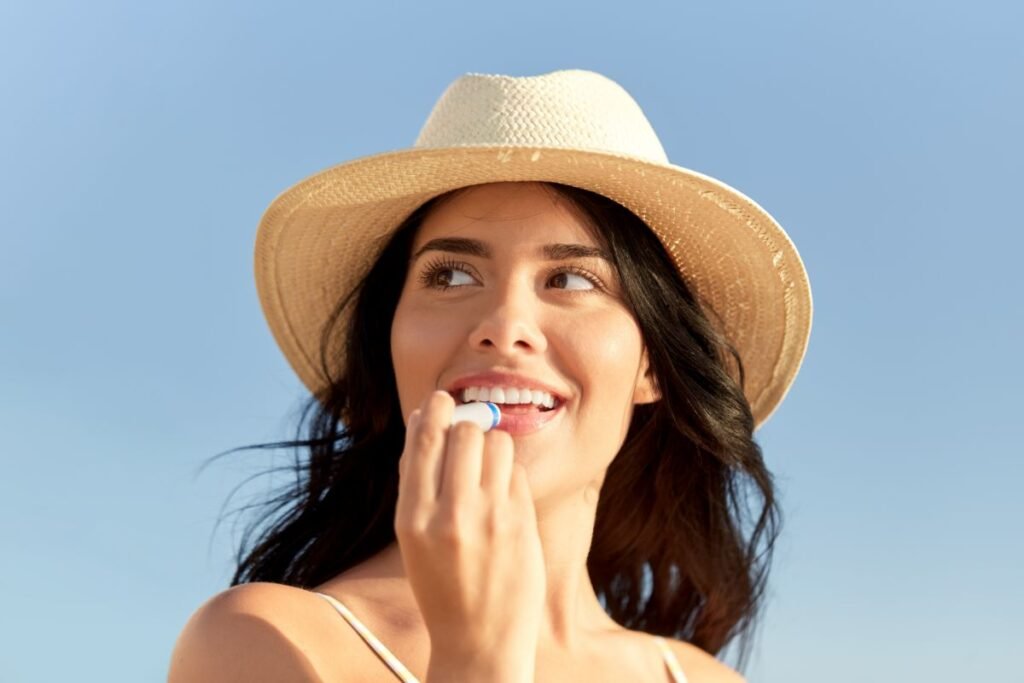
{"x": 385, "y": 654}
{"x": 670, "y": 660}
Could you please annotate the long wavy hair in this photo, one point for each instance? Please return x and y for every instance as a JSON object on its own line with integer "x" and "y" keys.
{"x": 687, "y": 516}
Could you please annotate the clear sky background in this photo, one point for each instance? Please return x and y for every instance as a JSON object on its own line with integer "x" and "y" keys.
{"x": 141, "y": 142}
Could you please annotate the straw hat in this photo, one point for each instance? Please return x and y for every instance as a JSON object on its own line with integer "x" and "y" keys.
{"x": 318, "y": 238}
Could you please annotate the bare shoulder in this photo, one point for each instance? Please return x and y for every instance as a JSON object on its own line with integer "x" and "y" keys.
{"x": 252, "y": 632}
{"x": 701, "y": 667}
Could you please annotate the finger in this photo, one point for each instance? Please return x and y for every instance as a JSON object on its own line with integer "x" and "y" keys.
{"x": 462, "y": 461}
{"x": 425, "y": 448}
{"x": 496, "y": 465}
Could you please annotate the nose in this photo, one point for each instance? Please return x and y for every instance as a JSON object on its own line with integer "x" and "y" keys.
{"x": 511, "y": 324}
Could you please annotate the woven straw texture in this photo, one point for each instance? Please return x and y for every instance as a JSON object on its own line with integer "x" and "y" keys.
{"x": 318, "y": 238}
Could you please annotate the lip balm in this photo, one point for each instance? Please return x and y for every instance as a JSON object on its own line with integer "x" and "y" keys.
{"x": 485, "y": 415}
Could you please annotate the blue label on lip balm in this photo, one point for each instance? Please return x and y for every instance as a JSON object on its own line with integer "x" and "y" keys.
{"x": 495, "y": 414}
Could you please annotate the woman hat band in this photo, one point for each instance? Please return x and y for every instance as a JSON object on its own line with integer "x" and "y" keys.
{"x": 319, "y": 238}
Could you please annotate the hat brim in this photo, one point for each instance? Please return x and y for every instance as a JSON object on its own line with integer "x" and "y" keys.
{"x": 318, "y": 239}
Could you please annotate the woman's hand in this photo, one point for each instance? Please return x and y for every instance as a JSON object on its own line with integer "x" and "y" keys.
{"x": 467, "y": 530}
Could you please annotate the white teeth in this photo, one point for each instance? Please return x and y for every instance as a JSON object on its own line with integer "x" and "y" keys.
{"x": 508, "y": 396}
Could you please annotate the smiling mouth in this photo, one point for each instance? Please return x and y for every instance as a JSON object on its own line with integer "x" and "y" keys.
{"x": 520, "y": 404}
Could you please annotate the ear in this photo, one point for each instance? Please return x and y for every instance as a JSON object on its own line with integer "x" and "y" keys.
{"x": 646, "y": 390}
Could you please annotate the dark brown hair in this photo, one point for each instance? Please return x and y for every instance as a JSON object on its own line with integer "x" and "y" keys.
{"x": 687, "y": 517}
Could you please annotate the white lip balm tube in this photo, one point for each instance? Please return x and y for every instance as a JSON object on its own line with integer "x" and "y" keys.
{"x": 481, "y": 413}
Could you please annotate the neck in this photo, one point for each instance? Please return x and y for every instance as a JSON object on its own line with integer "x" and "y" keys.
{"x": 572, "y": 612}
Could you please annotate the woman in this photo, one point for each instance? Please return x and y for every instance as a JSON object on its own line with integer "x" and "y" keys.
{"x": 634, "y": 320}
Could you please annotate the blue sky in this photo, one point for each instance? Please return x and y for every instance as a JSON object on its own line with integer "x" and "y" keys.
{"x": 141, "y": 142}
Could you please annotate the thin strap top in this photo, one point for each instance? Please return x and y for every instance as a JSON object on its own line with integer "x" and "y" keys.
{"x": 406, "y": 676}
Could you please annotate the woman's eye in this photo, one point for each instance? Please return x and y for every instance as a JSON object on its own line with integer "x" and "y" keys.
{"x": 447, "y": 276}
{"x": 569, "y": 280}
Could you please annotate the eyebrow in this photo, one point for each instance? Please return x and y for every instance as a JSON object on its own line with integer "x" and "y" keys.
{"x": 471, "y": 247}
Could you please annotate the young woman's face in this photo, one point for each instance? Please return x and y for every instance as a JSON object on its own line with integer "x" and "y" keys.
{"x": 507, "y": 288}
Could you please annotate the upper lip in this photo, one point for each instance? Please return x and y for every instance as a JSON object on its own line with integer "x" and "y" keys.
{"x": 495, "y": 378}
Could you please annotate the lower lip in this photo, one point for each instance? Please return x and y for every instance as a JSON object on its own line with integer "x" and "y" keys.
{"x": 527, "y": 423}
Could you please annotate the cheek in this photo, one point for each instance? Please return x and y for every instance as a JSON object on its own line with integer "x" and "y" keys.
{"x": 417, "y": 343}
{"x": 609, "y": 361}
{"x": 602, "y": 355}
{"x": 404, "y": 351}
{"x": 609, "y": 355}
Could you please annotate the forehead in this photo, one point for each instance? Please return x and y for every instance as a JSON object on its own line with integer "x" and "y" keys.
{"x": 514, "y": 213}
